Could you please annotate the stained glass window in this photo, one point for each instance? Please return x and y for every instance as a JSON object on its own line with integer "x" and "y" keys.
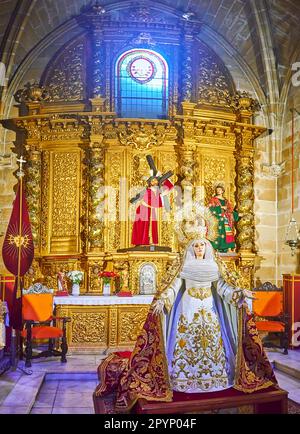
{"x": 141, "y": 85}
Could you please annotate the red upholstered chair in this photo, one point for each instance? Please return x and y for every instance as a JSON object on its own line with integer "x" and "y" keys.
{"x": 40, "y": 324}
{"x": 269, "y": 310}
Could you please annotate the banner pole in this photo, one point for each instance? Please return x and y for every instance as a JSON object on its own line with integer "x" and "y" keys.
{"x": 20, "y": 235}
{"x": 15, "y": 334}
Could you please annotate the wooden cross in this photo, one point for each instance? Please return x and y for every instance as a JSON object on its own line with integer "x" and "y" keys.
{"x": 160, "y": 179}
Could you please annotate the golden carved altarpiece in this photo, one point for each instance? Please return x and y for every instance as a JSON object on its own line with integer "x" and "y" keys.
{"x": 83, "y": 160}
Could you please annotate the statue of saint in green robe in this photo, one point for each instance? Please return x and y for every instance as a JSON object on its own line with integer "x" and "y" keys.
{"x": 227, "y": 216}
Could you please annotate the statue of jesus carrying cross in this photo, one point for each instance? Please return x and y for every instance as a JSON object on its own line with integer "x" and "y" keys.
{"x": 145, "y": 231}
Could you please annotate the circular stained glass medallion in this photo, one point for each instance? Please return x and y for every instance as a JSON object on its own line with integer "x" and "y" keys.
{"x": 141, "y": 69}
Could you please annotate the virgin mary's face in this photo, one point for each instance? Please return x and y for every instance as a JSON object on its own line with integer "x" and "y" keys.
{"x": 199, "y": 249}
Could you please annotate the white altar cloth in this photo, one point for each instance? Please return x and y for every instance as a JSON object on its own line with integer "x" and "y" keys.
{"x": 102, "y": 300}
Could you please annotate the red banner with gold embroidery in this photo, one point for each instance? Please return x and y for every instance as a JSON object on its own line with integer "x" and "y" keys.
{"x": 18, "y": 250}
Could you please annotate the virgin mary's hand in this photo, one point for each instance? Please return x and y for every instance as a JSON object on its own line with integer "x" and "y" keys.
{"x": 158, "y": 307}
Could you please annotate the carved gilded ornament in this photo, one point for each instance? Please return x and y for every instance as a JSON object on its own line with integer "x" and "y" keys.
{"x": 212, "y": 85}
{"x": 214, "y": 169}
{"x": 130, "y": 324}
{"x": 237, "y": 272}
{"x": 94, "y": 281}
{"x": 139, "y": 170}
{"x": 243, "y": 102}
{"x": 96, "y": 194}
{"x": 143, "y": 136}
{"x": 89, "y": 327}
{"x": 172, "y": 269}
{"x": 245, "y": 200}
{"x": 65, "y": 199}
{"x": 33, "y": 193}
{"x": 45, "y": 200}
{"x": 98, "y": 65}
{"x": 114, "y": 169}
{"x": 113, "y": 327}
{"x": 33, "y": 275}
{"x": 187, "y": 71}
{"x": 32, "y": 92}
{"x": 68, "y": 68}
{"x": 61, "y": 129}
{"x": 122, "y": 268}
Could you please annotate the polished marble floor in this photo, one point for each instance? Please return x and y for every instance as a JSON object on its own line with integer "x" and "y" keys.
{"x": 58, "y": 388}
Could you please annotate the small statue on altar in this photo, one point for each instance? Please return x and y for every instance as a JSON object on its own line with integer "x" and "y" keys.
{"x": 122, "y": 282}
{"x": 145, "y": 230}
{"x": 227, "y": 216}
{"x": 125, "y": 278}
{"x": 62, "y": 284}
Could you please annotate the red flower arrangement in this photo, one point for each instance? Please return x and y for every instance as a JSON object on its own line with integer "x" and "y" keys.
{"x": 107, "y": 275}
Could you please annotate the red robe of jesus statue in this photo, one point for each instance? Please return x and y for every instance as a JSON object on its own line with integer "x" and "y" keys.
{"x": 144, "y": 231}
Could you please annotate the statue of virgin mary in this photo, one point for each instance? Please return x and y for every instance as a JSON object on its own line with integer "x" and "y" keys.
{"x": 199, "y": 336}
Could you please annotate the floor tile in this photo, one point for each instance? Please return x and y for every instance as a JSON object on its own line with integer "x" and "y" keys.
{"x": 294, "y": 395}
{"x": 75, "y": 386}
{"x": 13, "y": 410}
{"x": 5, "y": 389}
{"x": 65, "y": 399}
{"x": 286, "y": 382}
{"x": 68, "y": 376}
{"x": 45, "y": 399}
{"x": 73, "y": 410}
{"x": 49, "y": 386}
{"x": 41, "y": 410}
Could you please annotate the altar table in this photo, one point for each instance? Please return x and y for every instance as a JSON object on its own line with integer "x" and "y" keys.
{"x": 102, "y": 322}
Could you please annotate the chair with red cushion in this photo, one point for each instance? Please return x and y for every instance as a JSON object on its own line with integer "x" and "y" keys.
{"x": 39, "y": 323}
{"x": 269, "y": 310}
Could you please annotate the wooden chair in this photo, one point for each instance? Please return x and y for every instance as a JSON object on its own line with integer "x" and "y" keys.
{"x": 40, "y": 324}
{"x": 269, "y": 309}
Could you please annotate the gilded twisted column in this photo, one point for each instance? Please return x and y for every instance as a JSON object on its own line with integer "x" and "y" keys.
{"x": 96, "y": 197}
{"x": 245, "y": 173}
{"x": 33, "y": 192}
{"x": 245, "y": 199}
{"x": 187, "y": 150}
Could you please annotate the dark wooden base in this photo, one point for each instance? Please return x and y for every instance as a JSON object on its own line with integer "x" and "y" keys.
{"x": 272, "y": 400}
{"x": 142, "y": 248}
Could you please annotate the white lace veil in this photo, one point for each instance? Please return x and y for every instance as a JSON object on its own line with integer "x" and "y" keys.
{"x": 200, "y": 270}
